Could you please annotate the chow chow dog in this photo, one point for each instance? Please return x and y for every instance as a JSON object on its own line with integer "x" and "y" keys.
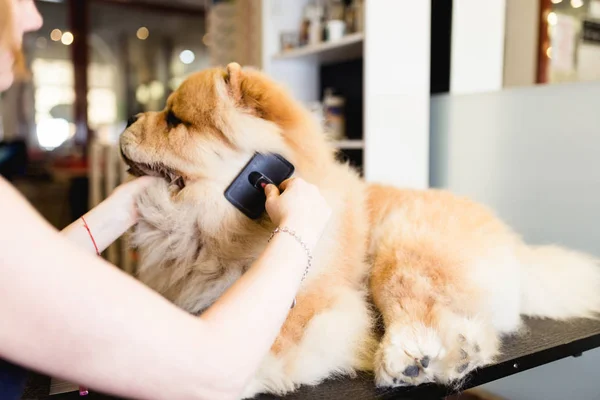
{"x": 443, "y": 275}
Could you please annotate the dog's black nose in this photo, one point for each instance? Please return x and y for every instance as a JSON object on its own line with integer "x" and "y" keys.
{"x": 131, "y": 120}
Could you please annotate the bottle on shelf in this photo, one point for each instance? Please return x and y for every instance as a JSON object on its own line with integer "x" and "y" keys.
{"x": 333, "y": 110}
{"x": 314, "y": 13}
{"x": 336, "y": 24}
{"x": 350, "y": 16}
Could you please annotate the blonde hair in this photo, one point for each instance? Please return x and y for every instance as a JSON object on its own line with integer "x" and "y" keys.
{"x": 8, "y": 40}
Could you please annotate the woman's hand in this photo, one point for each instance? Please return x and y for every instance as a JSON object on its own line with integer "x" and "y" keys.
{"x": 124, "y": 197}
{"x": 300, "y": 206}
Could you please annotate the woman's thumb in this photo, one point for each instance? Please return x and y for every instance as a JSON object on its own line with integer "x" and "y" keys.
{"x": 271, "y": 191}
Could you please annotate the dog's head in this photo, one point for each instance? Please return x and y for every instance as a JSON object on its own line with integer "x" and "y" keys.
{"x": 210, "y": 128}
{"x": 214, "y": 123}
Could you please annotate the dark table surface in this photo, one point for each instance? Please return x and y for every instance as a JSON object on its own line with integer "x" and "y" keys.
{"x": 541, "y": 343}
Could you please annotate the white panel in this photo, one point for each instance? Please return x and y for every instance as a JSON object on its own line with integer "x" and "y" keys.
{"x": 529, "y": 153}
{"x": 477, "y": 60}
{"x": 397, "y": 66}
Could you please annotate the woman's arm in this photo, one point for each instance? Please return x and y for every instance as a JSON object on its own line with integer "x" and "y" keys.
{"x": 109, "y": 219}
{"x": 73, "y": 316}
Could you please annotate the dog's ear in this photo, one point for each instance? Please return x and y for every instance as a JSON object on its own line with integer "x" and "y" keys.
{"x": 233, "y": 78}
{"x": 253, "y": 91}
{"x": 245, "y": 88}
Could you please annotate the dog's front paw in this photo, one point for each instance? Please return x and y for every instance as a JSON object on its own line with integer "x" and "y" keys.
{"x": 410, "y": 355}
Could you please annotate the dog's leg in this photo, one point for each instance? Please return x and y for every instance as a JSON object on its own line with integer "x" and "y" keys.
{"x": 336, "y": 339}
{"x": 271, "y": 377}
{"x": 434, "y": 331}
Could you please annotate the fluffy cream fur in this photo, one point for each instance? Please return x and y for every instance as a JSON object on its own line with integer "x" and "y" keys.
{"x": 446, "y": 276}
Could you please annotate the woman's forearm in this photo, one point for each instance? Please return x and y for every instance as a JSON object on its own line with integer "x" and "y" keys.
{"x": 106, "y": 222}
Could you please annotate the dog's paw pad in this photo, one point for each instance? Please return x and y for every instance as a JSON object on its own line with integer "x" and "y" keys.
{"x": 411, "y": 371}
{"x": 406, "y": 355}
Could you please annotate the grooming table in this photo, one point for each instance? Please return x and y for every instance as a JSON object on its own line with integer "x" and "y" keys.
{"x": 544, "y": 342}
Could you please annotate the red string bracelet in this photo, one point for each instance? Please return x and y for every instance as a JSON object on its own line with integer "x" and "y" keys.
{"x": 91, "y": 236}
{"x": 83, "y": 391}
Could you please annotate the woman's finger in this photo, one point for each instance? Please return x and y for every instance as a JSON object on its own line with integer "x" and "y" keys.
{"x": 271, "y": 191}
{"x": 135, "y": 186}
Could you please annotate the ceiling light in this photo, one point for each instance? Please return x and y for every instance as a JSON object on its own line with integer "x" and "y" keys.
{"x": 67, "y": 38}
{"x": 143, "y": 33}
{"x": 552, "y": 18}
{"x": 56, "y": 34}
{"x": 187, "y": 56}
{"x": 576, "y": 3}
{"x": 556, "y": 1}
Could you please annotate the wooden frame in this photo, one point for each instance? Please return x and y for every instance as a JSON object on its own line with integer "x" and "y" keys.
{"x": 79, "y": 24}
{"x": 544, "y": 42}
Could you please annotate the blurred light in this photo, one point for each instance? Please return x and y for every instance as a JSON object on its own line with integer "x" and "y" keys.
{"x": 157, "y": 90}
{"x": 67, "y": 38}
{"x": 556, "y": 1}
{"x": 52, "y": 132}
{"x": 142, "y": 94}
{"x": 143, "y": 33}
{"x": 41, "y": 43}
{"x": 56, "y": 34}
{"x": 187, "y": 56}
{"x": 552, "y": 18}
{"x": 576, "y": 3}
{"x": 102, "y": 106}
{"x": 549, "y": 52}
{"x": 206, "y": 39}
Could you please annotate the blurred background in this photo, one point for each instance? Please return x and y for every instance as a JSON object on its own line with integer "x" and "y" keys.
{"x": 494, "y": 99}
{"x": 93, "y": 64}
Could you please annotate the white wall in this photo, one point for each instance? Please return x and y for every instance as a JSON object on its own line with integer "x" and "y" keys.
{"x": 301, "y": 76}
{"x": 477, "y": 61}
{"x": 397, "y": 66}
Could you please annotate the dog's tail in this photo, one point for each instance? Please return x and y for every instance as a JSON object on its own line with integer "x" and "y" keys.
{"x": 559, "y": 283}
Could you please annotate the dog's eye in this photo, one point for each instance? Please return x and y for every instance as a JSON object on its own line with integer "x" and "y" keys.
{"x": 172, "y": 120}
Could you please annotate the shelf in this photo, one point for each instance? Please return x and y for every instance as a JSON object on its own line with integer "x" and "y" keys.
{"x": 349, "y": 144}
{"x": 348, "y": 48}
